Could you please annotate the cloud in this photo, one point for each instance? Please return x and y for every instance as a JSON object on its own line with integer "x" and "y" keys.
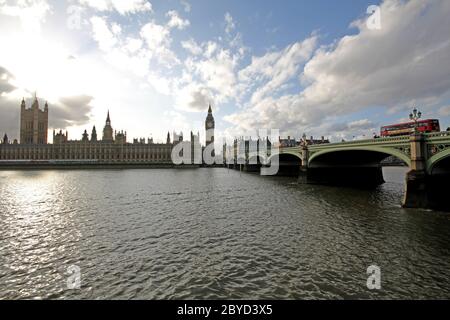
{"x": 102, "y": 34}
{"x": 9, "y": 108}
{"x": 70, "y": 111}
{"x": 444, "y": 111}
{"x": 155, "y": 35}
{"x": 192, "y": 46}
{"x": 160, "y": 84}
{"x": 123, "y": 7}
{"x": 158, "y": 40}
{"x": 9, "y": 117}
{"x": 5, "y": 81}
{"x": 213, "y": 68}
{"x": 218, "y": 72}
{"x": 32, "y": 13}
{"x": 407, "y": 61}
{"x": 194, "y": 97}
{"x": 271, "y": 72}
{"x": 229, "y": 23}
{"x": 175, "y": 21}
{"x": 186, "y": 5}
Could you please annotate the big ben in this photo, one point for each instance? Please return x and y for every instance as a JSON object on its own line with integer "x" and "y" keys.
{"x": 209, "y": 127}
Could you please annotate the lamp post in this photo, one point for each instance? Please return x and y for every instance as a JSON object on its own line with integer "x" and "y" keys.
{"x": 415, "y": 116}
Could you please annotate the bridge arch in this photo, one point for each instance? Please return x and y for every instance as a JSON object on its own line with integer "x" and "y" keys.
{"x": 436, "y": 159}
{"x": 289, "y": 163}
{"x": 352, "y": 166}
{"x": 286, "y": 153}
{"x": 438, "y": 169}
{"x": 380, "y": 150}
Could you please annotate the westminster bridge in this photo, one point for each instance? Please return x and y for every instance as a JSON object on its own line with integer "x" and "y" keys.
{"x": 358, "y": 163}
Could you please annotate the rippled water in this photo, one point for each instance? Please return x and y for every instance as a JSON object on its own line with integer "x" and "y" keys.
{"x": 213, "y": 233}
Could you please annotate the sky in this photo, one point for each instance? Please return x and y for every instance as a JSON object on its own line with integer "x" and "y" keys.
{"x": 323, "y": 68}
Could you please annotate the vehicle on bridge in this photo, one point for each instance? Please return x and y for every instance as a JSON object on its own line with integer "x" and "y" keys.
{"x": 423, "y": 126}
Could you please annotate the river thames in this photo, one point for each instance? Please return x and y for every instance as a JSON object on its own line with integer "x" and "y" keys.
{"x": 214, "y": 234}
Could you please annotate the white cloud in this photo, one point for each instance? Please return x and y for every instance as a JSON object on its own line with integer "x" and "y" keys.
{"x": 186, "y": 5}
{"x": 102, "y": 34}
{"x": 175, "y": 20}
{"x": 229, "y": 23}
{"x": 160, "y": 84}
{"x": 192, "y": 46}
{"x": 131, "y": 6}
{"x": 158, "y": 40}
{"x": 218, "y": 72}
{"x": 194, "y": 97}
{"x": 32, "y": 13}
{"x": 272, "y": 71}
{"x": 210, "y": 48}
{"x": 121, "y": 6}
{"x": 155, "y": 35}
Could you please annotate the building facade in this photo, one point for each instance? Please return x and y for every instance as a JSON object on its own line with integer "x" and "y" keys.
{"x": 33, "y": 123}
{"x": 112, "y": 148}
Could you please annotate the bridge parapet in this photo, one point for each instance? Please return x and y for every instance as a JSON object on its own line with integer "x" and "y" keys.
{"x": 377, "y": 141}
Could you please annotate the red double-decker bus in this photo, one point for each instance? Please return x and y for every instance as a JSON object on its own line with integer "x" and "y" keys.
{"x": 424, "y": 126}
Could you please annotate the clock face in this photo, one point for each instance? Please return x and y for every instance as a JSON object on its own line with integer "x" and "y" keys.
{"x": 209, "y": 124}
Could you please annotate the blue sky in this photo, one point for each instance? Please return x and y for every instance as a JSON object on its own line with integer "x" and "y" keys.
{"x": 298, "y": 66}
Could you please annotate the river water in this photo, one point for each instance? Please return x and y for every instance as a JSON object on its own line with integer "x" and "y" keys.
{"x": 213, "y": 233}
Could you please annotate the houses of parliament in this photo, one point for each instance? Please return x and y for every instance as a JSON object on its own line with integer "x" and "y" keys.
{"x": 112, "y": 147}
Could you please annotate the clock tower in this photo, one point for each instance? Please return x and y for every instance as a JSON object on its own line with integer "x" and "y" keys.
{"x": 209, "y": 127}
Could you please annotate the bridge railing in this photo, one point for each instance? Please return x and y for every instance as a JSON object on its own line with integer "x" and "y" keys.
{"x": 399, "y": 139}
{"x": 394, "y": 140}
{"x": 438, "y": 134}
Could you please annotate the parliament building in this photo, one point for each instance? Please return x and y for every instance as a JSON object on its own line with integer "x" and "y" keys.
{"x": 111, "y": 148}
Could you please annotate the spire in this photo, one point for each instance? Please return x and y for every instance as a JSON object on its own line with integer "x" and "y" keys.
{"x": 108, "y": 119}
{"x": 35, "y": 103}
{"x": 209, "y": 109}
{"x": 85, "y": 136}
{"x": 94, "y": 134}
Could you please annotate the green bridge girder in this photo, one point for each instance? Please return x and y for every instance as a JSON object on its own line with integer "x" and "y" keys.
{"x": 437, "y": 147}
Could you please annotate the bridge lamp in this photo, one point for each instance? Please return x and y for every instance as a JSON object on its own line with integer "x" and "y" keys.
{"x": 415, "y": 116}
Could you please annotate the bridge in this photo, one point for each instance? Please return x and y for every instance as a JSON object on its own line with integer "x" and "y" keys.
{"x": 358, "y": 163}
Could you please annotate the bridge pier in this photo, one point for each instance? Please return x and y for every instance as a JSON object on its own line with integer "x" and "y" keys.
{"x": 416, "y": 190}
{"x": 251, "y": 167}
{"x": 303, "y": 175}
{"x": 416, "y": 184}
